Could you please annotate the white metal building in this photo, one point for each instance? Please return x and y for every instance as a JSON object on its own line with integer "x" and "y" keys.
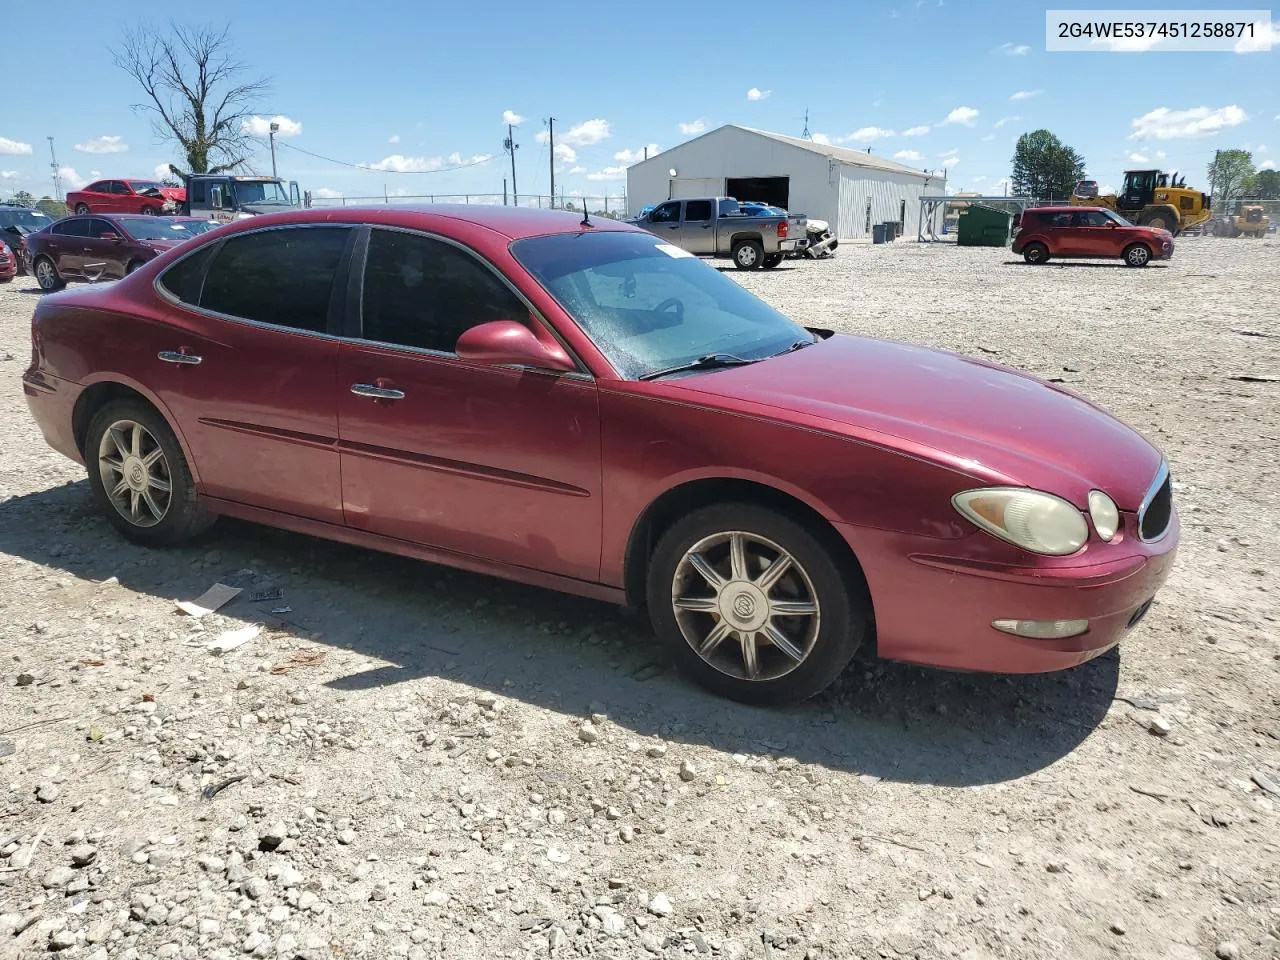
{"x": 849, "y": 189}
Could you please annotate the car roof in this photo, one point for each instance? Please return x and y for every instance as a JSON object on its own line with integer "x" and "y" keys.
{"x": 514, "y": 223}
{"x": 1065, "y": 208}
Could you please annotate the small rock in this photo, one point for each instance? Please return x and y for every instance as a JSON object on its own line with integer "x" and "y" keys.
{"x": 1159, "y": 726}
{"x": 47, "y": 792}
{"x": 255, "y": 888}
{"x": 687, "y": 771}
{"x": 1056, "y": 866}
{"x": 210, "y": 927}
{"x": 381, "y": 890}
{"x": 1118, "y": 928}
{"x": 57, "y": 878}
{"x": 657, "y": 751}
{"x": 279, "y": 913}
{"x": 588, "y": 733}
{"x": 613, "y": 924}
{"x": 347, "y": 836}
{"x": 555, "y": 816}
{"x": 82, "y": 855}
{"x": 660, "y": 905}
{"x": 24, "y": 680}
{"x": 436, "y": 898}
{"x": 1227, "y": 950}
{"x": 627, "y": 833}
{"x": 273, "y": 836}
{"x": 62, "y": 940}
{"x": 555, "y": 939}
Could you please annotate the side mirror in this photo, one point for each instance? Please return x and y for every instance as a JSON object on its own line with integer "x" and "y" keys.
{"x": 109, "y": 235}
{"x": 1112, "y": 224}
{"x": 505, "y": 342}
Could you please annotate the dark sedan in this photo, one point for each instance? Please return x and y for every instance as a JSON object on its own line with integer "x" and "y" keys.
{"x": 16, "y": 224}
{"x": 101, "y": 247}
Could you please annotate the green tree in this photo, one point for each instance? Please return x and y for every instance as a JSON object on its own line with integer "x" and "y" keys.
{"x": 1044, "y": 167}
{"x": 51, "y": 208}
{"x": 1230, "y": 177}
{"x": 1266, "y": 184}
{"x": 24, "y": 199}
{"x": 197, "y": 95}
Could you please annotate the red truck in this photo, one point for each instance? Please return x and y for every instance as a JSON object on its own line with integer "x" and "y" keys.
{"x": 126, "y": 196}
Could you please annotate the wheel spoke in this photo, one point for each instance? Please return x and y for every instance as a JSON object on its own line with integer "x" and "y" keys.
{"x": 713, "y": 638}
{"x": 159, "y": 483}
{"x": 135, "y": 500}
{"x": 779, "y": 640}
{"x": 119, "y": 442}
{"x": 737, "y": 556}
{"x": 149, "y": 460}
{"x": 152, "y": 506}
{"x": 750, "y": 653}
{"x": 699, "y": 563}
{"x": 793, "y": 608}
{"x": 119, "y": 489}
{"x": 774, "y": 572}
{"x": 694, "y": 604}
{"x": 136, "y": 442}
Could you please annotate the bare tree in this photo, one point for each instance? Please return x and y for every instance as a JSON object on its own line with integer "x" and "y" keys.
{"x": 196, "y": 92}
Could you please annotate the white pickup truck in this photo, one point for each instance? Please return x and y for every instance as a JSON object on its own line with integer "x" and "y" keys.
{"x": 717, "y": 227}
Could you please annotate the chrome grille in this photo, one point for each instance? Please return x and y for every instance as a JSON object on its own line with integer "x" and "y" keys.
{"x": 1157, "y": 507}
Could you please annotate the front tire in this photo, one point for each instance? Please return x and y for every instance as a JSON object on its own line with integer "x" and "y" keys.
{"x": 139, "y": 476}
{"x": 1137, "y": 255}
{"x": 748, "y": 255}
{"x": 1036, "y": 254}
{"x": 81, "y": 209}
{"x": 151, "y": 211}
{"x": 47, "y": 275}
{"x": 753, "y": 605}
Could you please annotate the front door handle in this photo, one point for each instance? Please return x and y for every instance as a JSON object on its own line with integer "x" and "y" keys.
{"x": 174, "y": 356}
{"x": 376, "y": 392}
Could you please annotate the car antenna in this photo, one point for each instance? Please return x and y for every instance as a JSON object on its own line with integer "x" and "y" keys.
{"x": 586, "y": 216}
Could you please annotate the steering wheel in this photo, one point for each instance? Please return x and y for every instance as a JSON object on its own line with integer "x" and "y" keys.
{"x": 673, "y": 304}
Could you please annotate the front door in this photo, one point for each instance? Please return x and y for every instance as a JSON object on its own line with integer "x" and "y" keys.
{"x": 698, "y": 234}
{"x": 249, "y": 369}
{"x": 1097, "y": 234}
{"x": 497, "y": 463}
{"x": 664, "y": 221}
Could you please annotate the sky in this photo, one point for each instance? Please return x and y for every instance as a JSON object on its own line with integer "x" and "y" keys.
{"x": 413, "y": 99}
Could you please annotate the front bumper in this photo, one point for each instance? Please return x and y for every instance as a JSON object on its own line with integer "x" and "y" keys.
{"x": 937, "y": 610}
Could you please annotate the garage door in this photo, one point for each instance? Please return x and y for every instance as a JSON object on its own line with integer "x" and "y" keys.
{"x": 685, "y": 187}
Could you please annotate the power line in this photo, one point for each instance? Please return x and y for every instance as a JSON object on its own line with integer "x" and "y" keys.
{"x": 372, "y": 169}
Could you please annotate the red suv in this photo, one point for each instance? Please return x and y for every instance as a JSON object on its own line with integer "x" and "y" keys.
{"x": 1092, "y": 232}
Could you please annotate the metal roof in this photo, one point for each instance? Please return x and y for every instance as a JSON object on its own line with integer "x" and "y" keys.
{"x": 857, "y": 158}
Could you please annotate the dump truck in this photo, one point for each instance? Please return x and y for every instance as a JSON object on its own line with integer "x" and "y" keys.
{"x": 1153, "y": 198}
{"x": 1249, "y": 221}
{"x": 224, "y": 197}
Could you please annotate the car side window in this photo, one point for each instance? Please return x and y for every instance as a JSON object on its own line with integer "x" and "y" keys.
{"x": 197, "y": 192}
{"x": 697, "y": 211}
{"x": 1092, "y": 218}
{"x": 668, "y": 212}
{"x": 75, "y": 227}
{"x": 185, "y": 279}
{"x": 283, "y": 277}
{"x": 1060, "y": 220}
{"x": 425, "y": 293}
{"x": 99, "y": 187}
{"x": 97, "y": 227}
{"x": 118, "y": 187}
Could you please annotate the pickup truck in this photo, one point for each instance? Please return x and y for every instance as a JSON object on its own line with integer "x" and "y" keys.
{"x": 717, "y": 227}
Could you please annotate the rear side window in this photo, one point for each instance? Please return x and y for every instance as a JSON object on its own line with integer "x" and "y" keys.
{"x": 185, "y": 278}
{"x": 197, "y": 192}
{"x": 97, "y": 227}
{"x": 697, "y": 210}
{"x": 425, "y": 293}
{"x": 283, "y": 277}
{"x": 79, "y": 227}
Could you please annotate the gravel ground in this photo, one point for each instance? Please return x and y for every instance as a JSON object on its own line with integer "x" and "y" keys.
{"x": 421, "y": 763}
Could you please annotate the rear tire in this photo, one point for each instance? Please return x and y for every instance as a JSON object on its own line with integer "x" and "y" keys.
{"x": 817, "y": 637}
{"x": 748, "y": 255}
{"x": 130, "y": 445}
{"x": 1137, "y": 255}
{"x": 81, "y": 209}
{"x": 47, "y": 275}
{"x": 1036, "y": 254}
{"x": 772, "y": 261}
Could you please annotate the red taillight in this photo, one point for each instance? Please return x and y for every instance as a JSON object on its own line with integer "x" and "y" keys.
{"x": 782, "y": 229}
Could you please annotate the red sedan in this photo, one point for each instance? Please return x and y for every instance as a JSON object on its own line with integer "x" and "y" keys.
{"x": 1088, "y": 233}
{"x": 148, "y": 197}
{"x": 579, "y": 405}
{"x": 8, "y": 263}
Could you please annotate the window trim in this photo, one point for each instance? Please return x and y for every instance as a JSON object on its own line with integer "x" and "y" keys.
{"x": 355, "y": 304}
{"x": 337, "y": 296}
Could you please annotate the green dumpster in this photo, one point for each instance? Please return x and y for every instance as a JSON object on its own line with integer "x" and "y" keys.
{"x": 983, "y": 226}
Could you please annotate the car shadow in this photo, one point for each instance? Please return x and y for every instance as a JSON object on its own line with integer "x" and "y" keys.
{"x": 562, "y": 653}
{"x": 1084, "y": 263}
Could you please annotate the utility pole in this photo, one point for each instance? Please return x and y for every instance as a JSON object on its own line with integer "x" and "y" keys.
{"x": 511, "y": 147}
{"x": 57, "y": 175}
{"x": 272, "y": 135}
{"x": 551, "y": 142}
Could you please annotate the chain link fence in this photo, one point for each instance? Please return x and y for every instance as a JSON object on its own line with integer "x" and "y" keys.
{"x": 605, "y": 205}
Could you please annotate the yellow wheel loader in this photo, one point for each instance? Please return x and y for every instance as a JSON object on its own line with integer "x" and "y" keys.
{"x": 1249, "y": 221}
{"x": 1151, "y": 198}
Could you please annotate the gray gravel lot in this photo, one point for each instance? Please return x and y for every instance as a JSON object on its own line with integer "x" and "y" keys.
{"x": 435, "y": 764}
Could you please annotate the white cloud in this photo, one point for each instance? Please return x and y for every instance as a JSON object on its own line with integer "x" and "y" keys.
{"x": 566, "y": 153}
{"x": 632, "y": 156}
{"x": 577, "y": 169}
{"x": 394, "y": 138}
{"x": 162, "y": 170}
{"x": 911, "y": 155}
{"x": 1165, "y": 124}
{"x": 822, "y": 138}
{"x": 326, "y": 193}
{"x": 867, "y": 134}
{"x": 8, "y": 174}
{"x": 17, "y": 148}
{"x": 396, "y": 163}
{"x": 609, "y": 173}
{"x": 257, "y": 126}
{"x": 70, "y": 178}
{"x": 1003, "y": 120}
{"x": 1012, "y": 50}
{"x": 919, "y": 131}
{"x": 989, "y": 136}
{"x": 979, "y": 179}
{"x": 695, "y": 127}
{"x": 951, "y": 160}
{"x": 755, "y": 93}
{"x": 1026, "y": 94}
{"x": 103, "y": 145}
{"x": 511, "y": 117}
{"x": 1266, "y": 33}
{"x": 1160, "y": 153}
{"x": 586, "y": 134}
{"x": 962, "y": 115}
{"x": 1261, "y": 148}
{"x": 1139, "y": 158}
{"x": 95, "y": 174}
{"x": 1268, "y": 165}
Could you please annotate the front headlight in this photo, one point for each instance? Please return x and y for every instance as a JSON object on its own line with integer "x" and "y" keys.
{"x": 1031, "y": 519}
{"x": 1106, "y": 516}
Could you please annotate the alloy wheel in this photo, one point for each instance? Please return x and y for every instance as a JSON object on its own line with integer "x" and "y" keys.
{"x": 745, "y": 606}
{"x": 135, "y": 473}
{"x": 46, "y": 275}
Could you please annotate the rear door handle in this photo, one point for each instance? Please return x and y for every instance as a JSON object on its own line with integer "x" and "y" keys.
{"x": 376, "y": 392}
{"x": 173, "y": 356}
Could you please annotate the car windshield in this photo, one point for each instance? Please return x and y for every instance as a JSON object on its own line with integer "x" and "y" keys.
{"x": 195, "y": 227}
{"x": 32, "y": 219}
{"x": 260, "y": 191}
{"x": 154, "y": 228}
{"x": 650, "y": 306}
{"x": 145, "y": 186}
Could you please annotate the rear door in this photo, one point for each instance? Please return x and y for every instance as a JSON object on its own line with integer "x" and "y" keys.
{"x": 65, "y": 246}
{"x": 697, "y": 231}
{"x": 1058, "y": 233}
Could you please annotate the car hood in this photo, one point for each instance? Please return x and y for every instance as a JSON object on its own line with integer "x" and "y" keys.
{"x": 972, "y": 415}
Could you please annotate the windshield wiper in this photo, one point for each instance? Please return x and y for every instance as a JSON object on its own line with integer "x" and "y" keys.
{"x": 707, "y": 362}
{"x": 796, "y": 346}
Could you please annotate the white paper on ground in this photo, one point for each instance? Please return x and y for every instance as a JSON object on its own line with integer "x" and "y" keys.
{"x": 233, "y": 638}
{"x": 209, "y": 601}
